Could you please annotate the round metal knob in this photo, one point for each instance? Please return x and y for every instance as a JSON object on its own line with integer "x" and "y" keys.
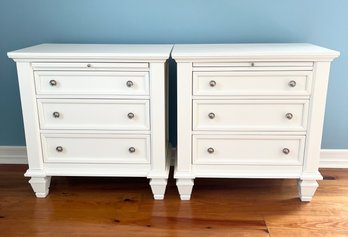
{"x": 130, "y": 115}
{"x": 210, "y": 150}
{"x": 286, "y": 151}
{"x": 253, "y": 64}
{"x": 292, "y": 83}
{"x": 212, "y": 83}
{"x": 129, "y": 83}
{"x": 289, "y": 116}
{"x": 211, "y": 115}
{"x": 56, "y": 114}
{"x": 59, "y": 149}
{"x": 53, "y": 82}
{"x": 89, "y": 65}
{"x": 131, "y": 149}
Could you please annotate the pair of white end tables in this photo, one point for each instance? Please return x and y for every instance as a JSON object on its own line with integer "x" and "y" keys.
{"x": 244, "y": 111}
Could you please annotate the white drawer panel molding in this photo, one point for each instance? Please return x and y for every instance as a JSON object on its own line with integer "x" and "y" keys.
{"x": 91, "y": 83}
{"x": 250, "y": 115}
{"x": 94, "y": 114}
{"x": 252, "y": 83}
{"x": 253, "y": 150}
{"x": 79, "y": 148}
{"x": 94, "y": 110}
{"x": 89, "y": 65}
{"x": 250, "y": 111}
{"x": 253, "y": 64}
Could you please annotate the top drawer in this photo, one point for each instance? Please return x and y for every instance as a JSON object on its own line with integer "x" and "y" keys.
{"x": 285, "y": 83}
{"x": 91, "y": 83}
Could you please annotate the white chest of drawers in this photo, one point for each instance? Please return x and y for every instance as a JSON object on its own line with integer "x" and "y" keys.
{"x": 251, "y": 111}
{"x": 94, "y": 110}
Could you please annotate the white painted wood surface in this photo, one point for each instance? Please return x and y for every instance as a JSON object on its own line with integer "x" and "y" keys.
{"x": 94, "y": 114}
{"x": 97, "y": 53}
{"x": 97, "y": 148}
{"x": 250, "y": 95}
{"x": 248, "y": 149}
{"x": 250, "y": 115}
{"x": 92, "y": 83}
{"x": 285, "y": 54}
{"x": 252, "y": 83}
{"x": 94, "y": 133}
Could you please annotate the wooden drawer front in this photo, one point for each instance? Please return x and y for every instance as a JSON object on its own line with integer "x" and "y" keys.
{"x": 252, "y": 83}
{"x": 94, "y": 114}
{"x": 258, "y": 150}
{"x": 91, "y": 83}
{"x": 250, "y": 115}
{"x": 96, "y": 148}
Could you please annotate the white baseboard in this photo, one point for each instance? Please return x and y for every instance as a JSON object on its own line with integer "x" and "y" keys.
{"x": 13, "y": 155}
{"x": 329, "y": 158}
{"x": 334, "y": 158}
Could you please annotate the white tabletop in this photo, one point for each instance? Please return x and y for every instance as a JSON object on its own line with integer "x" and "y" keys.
{"x": 115, "y": 51}
{"x": 255, "y": 51}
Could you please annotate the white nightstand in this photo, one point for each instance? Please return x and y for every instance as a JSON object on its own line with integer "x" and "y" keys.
{"x": 251, "y": 111}
{"x": 94, "y": 110}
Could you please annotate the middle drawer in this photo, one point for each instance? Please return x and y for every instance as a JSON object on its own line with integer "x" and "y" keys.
{"x": 94, "y": 114}
{"x": 250, "y": 115}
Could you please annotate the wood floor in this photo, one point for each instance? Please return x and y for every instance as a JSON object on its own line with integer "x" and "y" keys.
{"x": 124, "y": 207}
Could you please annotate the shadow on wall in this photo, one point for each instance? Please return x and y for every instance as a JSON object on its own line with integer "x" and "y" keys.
{"x": 172, "y": 102}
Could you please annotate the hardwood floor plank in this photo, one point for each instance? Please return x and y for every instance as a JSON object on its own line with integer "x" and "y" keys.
{"x": 292, "y": 232}
{"x": 84, "y": 206}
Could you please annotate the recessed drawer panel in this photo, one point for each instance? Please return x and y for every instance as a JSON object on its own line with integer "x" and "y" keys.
{"x": 252, "y": 83}
{"x": 258, "y": 150}
{"x": 94, "y": 114}
{"x": 96, "y": 148}
{"x": 250, "y": 115}
{"x": 91, "y": 83}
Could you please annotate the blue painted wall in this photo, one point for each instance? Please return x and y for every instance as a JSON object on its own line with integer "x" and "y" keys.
{"x": 24, "y": 23}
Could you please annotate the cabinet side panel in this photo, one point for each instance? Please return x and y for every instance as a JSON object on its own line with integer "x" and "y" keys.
{"x": 157, "y": 117}
{"x": 30, "y": 116}
{"x": 184, "y": 118}
{"x": 316, "y": 118}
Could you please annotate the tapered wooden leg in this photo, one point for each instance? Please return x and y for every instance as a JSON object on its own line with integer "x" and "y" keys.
{"x": 158, "y": 187}
{"x": 185, "y": 188}
{"x": 306, "y": 189}
{"x": 40, "y": 186}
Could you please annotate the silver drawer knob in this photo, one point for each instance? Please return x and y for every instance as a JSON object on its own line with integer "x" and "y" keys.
{"x": 56, "y": 114}
{"x": 289, "y": 116}
{"x": 59, "y": 149}
{"x": 211, "y": 115}
{"x": 286, "y": 151}
{"x": 130, "y": 115}
{"x": 129, "y": 83}
{"x": 253, "y": 64}
{"x": 292, "y": 83}
{"x": 131, "y": 149}
{"x": 53, "y": 82}
{"x": 210, "y": 150}
{"x": 89, "y": 65}
{"x": 212, "y": 83}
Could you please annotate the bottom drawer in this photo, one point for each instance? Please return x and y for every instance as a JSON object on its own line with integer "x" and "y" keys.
{"x": 248, "y": 149}
{"x": 96, "y": 148}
